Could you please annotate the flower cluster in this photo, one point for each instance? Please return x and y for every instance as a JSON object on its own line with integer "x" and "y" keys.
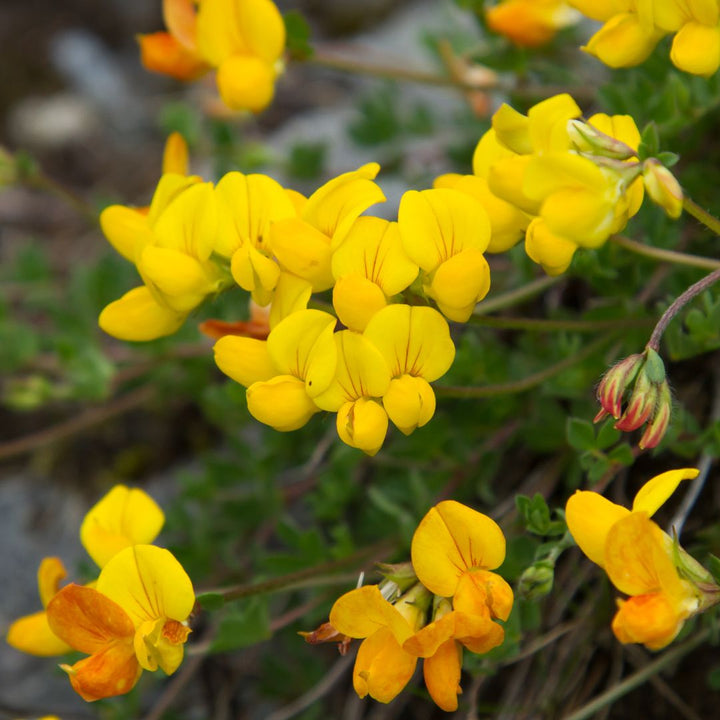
{"x": 243, "y": 41}
{"x": 666, "y": 586}
{"x": 446, "y": 601}
{"x": 371, "y": 361}
{"x": 632, "y": 29}
{"x": 530, "y": 23}
{"x": 560, "y": 181}
{"x": 132, "y": 618}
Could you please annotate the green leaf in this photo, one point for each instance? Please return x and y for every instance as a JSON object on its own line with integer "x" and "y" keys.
{"x": 211, "y": 600}
{"x": 622, "y": 454}
{"x": 607, "y": 435}
{"x": 298, "y": 35}
{"x": 580, "y": 434}
{"x": 243, "y": 626}
{"x": 649, "y": 141}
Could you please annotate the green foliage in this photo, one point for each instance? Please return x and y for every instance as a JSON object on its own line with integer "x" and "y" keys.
{"x": 298, "y": 35}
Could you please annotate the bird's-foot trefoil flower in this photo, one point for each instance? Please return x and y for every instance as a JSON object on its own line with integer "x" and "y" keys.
{"x": 243, "y": 40}
{"x": 133, "y": 620}
{"x": 122, "y": 518}
{"x": 530, "y": 23}
{"x": 665, "y": 585}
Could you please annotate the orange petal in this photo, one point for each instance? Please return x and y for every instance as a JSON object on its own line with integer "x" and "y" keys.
{"x": 382, "y": 667}
{"x": 181, "y": 20}
{"x": 442, "y": 675}
{"x": 87, "y": 620}
{"x": 161, "y": 52}
{"x": 483, "y": 593}
{"x": 648, "y": 619}
{"x": 109, "y": 672}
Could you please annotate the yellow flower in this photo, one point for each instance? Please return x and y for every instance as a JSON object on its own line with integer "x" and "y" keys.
{"x": 122, "y": 518}
{"x": 248, "y": 205}
{"x": 123, "y": 627}
{"x": 369, "y": 267}
{"x": 242, "y": 39}
{"x": 286, "y": 372}
{"x": 31, "y": 633}
{"x": 446, "y": 232}
{"x": 171, "y": 248}
{"x": 304, "y": 245}
{"x": 638, "y": 557}
{"x": 416, "y": 345}
{"x": 362, "y": 377}
{"x": 530, "y": 23}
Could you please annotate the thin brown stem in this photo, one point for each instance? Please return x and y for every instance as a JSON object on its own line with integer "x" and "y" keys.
{"x": 528, "y": 382}
{"x": 692, "y": 292}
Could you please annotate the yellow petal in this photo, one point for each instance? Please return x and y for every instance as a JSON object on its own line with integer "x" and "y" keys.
{"x": 182, "y": 281}
{"x": 248, "y": 205}
{"x": 333, "y": 208}
{"x": 189, "y": 223}
{"x": 362, "y": 424}
{"x": 505, "y": 180}
{"x": 302, "y": 345}
{"x": 638, "y": 559}
{"x": 246, "y": 83}
{"x": 487, "y": 152}
{"x": 373, "y": 249}
{"x": 169, "y": 187}
{"x": 147, "y": 582}
{"x": 50, "y": 573}
{"x": 696, "y": 49}
{"x": 507, "y": 223}
{"x": 442, "y": 675}
{"x": 292, "y": 294}
{"x": 409, "y": 402}
{"x": 548, "y": 123}
{"x": 413, "y": 340}
{"x": 245, "y": 360}
{"x": 623, "y": 41}
{"x": 548, "y": 249}
{"x": 356, "y": 299}
{"x": 656, "y": 491}
{"x": 126, "y": 229}
{"x": 589, "y": 518}
{"x": 253, "y": 271}
{"x": 32, "y": 634}
{"x": 363, "y": 611}
{"x": 437, "y": 224}
{"x": 382, "y": 667}
{"x": 281, "y": 402}
{"x": 138, "y": 316}
{"x": 175, "y": 155}
{"x": 124, "y": 517}
{"x": 303, "y": 250}
{"x": 452, "y": 539}
{"x": 512, "y": 129}
{"x": 460, "y": 283}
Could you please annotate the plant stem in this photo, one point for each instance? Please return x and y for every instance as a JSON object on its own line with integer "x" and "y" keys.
{"x": 541, "y": 325}
{"x": 528, "y": 382}
{"x": 392, "y": 72}
{"x": 301, "y": 577}
{"x": 513, "y": 297}
{"x": 708, "y": 220}
{"x": 615, "y": 693}
{"x": 679, "y": 303}
{"x": 672, "y": 256}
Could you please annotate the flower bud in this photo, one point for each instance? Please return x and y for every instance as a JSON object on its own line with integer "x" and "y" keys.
{"x": 649, "y": 400}
{"x": 413, "y": 606}
{"x": 662, "y": 187}
{"x": 614, "y": 383}
{"x": 537, "y": 580}
{"x": 402, "y": 575}
{"x": 588, "y": 139}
